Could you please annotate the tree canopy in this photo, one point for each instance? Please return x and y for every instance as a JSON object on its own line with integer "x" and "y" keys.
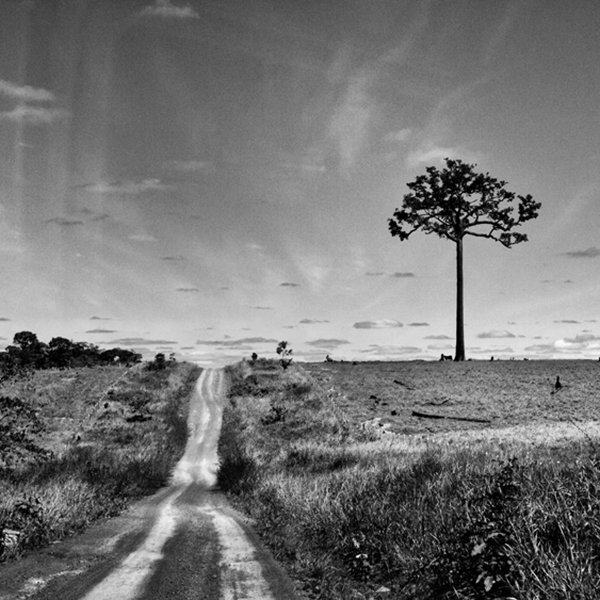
{"x": 27, "y": 352}
{"x": 457, "y": 201}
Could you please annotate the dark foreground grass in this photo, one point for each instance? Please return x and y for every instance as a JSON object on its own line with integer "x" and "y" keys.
{"x": 102, "y": 449}
{"x": 351, "y": 516}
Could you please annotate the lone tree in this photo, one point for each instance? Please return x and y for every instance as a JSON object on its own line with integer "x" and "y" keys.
{"x": 455, "y": 202}
{"x": 285, "y": 354}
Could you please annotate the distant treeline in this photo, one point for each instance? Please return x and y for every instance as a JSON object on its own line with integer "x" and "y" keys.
{"x": 27, "y": 352}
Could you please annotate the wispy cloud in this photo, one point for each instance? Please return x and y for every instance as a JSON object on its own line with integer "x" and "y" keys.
{"x": 138, "y": 341}
{"x": 314, "y": 267}
{"x": 350, "y": 123}
{"x": 496, "y": 40}
{"x": 190, "y": 166}
{"x": 582, "y": 338}
{"x": 428, "y": 154}
{"x": 395, "y": 275}
{"x": 379, "y": 350}
{"x": 289, "y": 284}
{"x": 378, "y": 324}
{"x": 438, "y": 337}
{"x": 33, "y": 115}
{"x": 101, "y": 331}
{"x": 583, "y": 344}
{"x": 440, "y": 347}
{"x": 418, "y": 324}
{"x": 495, "y": 333}
{"x": 124, "y": 187}
{"x": 142, "y": 237}
{"x": 239, "y": 342}
{"x": 492, "y": 351}
{"x": 4, "y": 319}
{"x": 305, "y": 168}
{"x": 24, "y": 112}
{"x": 261, "y": 307}
{"x": 553, "y": 281}
{"x": 165, "y": 9}
{"x": 191, "y": 290}
{"x": 437, "y": 141}
{"x": 568, "y": 321}
{"x": 312, "y": 321}
{"x": 541, "y": 349}
{"x": 398, "y": 136}
{"x": 24, "y": 93}
{"x": 327, "y": 343}
{"x": 591, "y": 252}
{"x": 64, "y": 222}
{"x": 175, "y": 258}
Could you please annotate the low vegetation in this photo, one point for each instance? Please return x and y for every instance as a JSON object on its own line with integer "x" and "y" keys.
{"x": 28, "y": 353}
{"x": 80, "y": 444}
{"x": 359, "y": 513}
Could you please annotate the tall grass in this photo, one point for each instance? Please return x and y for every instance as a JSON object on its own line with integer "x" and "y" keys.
{"x": 124, "y": 443}
{"x": 423, "y": 519}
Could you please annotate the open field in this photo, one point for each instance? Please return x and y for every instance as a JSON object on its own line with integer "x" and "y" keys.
{"x": 505, "y": 393}
{"x": 86, "y": 443}
{"x": 421, "y": 508}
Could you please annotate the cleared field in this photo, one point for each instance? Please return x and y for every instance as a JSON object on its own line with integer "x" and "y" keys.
{"x": 503, "y": 393}
{"x": 362, "y": 503}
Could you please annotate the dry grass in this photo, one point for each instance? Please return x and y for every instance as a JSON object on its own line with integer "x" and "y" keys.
{"x": 113, "y": 435}
{"x": 506, "y": 512}
{"x": 508, "y": 393}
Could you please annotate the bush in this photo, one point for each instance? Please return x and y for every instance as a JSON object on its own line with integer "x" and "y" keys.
{"x": 19, "y": 424}
{"x": 158, "y": 364}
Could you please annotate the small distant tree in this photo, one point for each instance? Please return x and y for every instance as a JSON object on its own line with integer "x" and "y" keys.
{"x": 158, "y": 364}
{"x": 285, "y": 355}
{"x": 60, "y": 352}
{"x": 27, "y": 351}
{"x": 455, "y": 202}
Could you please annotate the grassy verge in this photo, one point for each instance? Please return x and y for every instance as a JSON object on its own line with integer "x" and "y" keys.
{"x": 105, "y": 437}
{"x": 352, "y": 512}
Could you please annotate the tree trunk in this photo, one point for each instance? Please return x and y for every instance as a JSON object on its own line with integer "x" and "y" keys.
{"x": 460, "y": 318}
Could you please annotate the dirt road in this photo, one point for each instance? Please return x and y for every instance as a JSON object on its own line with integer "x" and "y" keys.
{"x": 184, "y": 542}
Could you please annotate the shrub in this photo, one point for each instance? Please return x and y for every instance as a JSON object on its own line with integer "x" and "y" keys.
{"x": 158, "y": 364}
{"x": 19, "y": 424}
{"x": 286, "y": 355}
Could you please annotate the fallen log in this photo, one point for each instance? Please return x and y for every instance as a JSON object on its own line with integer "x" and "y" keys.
{"x": 403, "y": 384}
{"x": 416, "y": 413}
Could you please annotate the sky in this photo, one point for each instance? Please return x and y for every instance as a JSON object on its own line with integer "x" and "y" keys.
{"x": 211, "y": 177}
